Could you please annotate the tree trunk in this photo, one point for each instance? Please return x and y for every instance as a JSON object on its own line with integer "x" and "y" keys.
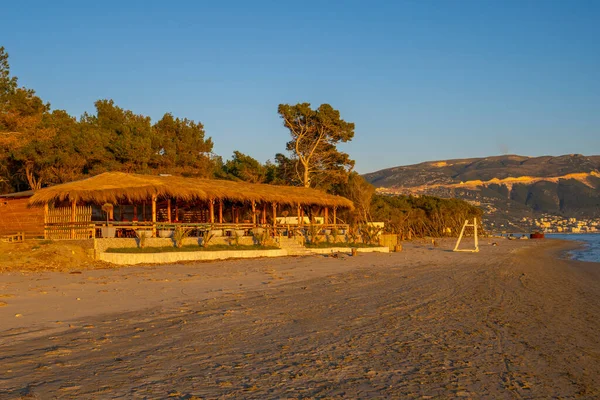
{"x": 305, "y": 176}
{"x": 34, "y": 183}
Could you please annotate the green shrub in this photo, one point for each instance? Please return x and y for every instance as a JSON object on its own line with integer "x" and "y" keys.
{"x": 179, "y": 234}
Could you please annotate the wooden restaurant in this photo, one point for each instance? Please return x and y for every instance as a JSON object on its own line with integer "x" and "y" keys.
{"x": 117, "y": 204}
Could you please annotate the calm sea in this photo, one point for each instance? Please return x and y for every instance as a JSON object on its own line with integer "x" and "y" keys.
{"x": 591, "y": 251}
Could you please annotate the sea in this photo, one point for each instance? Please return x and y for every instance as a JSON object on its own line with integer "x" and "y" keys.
{"x": 591, "y": 251}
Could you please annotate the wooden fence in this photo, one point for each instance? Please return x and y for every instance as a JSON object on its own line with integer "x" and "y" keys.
{"x": 69, "y": 223}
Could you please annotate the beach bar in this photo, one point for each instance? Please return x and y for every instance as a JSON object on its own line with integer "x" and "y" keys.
{"x": 117, "y": 204}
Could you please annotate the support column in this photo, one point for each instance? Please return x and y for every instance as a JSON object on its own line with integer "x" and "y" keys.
{"x": 211, "y": 204}
{"x": 220, "y": 211}
{"x": 169, "y": 210}
{"x": 299, "y": 215}
{"x": 264, "y": 214}
{"x": 45, "y": 220}
{"x": 253, "y": 213}
{"x": 274, "y": 216}
{"x": 153, "y": 216}
{"x": 73, "y": 217}
{"x": 326, "y": 215}
{"x": 334, "y": 215}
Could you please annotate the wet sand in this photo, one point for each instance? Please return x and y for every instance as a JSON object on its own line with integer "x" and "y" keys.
{"x": 513, "y": 321}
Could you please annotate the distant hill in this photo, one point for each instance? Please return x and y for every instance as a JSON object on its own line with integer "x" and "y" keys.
{"x": 512, "y": 189}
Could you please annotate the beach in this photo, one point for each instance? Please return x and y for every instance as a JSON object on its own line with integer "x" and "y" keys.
{"x": 516, "y": 320}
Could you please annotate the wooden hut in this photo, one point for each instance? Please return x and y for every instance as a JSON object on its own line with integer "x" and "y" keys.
{"x": 155, "y": 202}
{"x": 17, "y": 217}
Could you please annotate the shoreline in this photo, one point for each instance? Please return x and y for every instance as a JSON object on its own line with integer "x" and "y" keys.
{"x": 584, "y": 250}
{"x": 512, "y": 320}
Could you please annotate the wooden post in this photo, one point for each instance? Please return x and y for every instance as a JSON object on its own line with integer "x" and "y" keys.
{"x": 334, "y": 215}
{"x": 264, "y": 214}
{"x": 274, "y": 215}
{"x": 211, "y": 204}
{"x": 221, "y": 211}
{"x": 299, "y": 213}
{"x": 169, "y": 210}
{"x": 253, "y": 213}
{"x": 73, "y": 216}
{"x": 153, "y": 216}
{"x": 476, "y": 239}
{"x": 326, "y": 215}
{"x": 45, "y": 220}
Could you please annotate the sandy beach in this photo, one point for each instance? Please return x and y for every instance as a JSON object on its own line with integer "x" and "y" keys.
{"x": 513, "y": 321}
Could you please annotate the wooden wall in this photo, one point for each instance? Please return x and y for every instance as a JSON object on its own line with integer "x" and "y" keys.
{"x": 15, "y": 217}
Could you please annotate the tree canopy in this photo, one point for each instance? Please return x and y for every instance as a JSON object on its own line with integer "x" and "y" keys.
{"x": 315, "y": 135}
{"x": 245, "y": 168}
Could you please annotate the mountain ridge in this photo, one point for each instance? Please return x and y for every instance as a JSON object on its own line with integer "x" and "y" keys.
{"x": 512, "y": 189}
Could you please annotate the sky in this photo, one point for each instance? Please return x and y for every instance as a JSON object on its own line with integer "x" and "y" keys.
{"x": 422, "y": 80}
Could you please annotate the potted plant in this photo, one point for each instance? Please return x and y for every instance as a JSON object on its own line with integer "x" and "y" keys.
{"x": 108, "y": 231}
{"x": 216, "y": 232}
{"x": 165, "y": 233}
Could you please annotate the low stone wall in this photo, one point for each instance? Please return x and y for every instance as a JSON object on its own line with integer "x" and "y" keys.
{"x": 166, "y": 258}
{"x": 349, "y": 250}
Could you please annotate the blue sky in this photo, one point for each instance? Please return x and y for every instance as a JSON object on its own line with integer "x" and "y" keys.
{"x": 422, "y": 80}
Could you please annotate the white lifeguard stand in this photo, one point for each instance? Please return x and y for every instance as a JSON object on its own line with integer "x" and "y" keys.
{"x": 462, "y": 231}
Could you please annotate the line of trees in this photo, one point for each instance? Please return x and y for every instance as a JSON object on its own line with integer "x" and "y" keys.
{"x": 422, "y": 216}
{"x": 40, "y": 146}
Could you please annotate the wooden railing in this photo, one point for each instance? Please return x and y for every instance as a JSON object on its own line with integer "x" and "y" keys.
{"x": 86, "y": 230}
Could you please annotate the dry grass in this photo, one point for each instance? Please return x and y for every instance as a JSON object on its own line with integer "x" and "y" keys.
{"x": 37, "y": 256}
{"x": 110, "y": 187}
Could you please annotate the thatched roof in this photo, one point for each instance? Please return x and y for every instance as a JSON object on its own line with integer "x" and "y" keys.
{"x": 114, "y": 187}
{"x": 27, "y": 193}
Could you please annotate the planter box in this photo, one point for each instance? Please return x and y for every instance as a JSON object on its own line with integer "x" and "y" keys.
{"x": 108, "y": 231}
